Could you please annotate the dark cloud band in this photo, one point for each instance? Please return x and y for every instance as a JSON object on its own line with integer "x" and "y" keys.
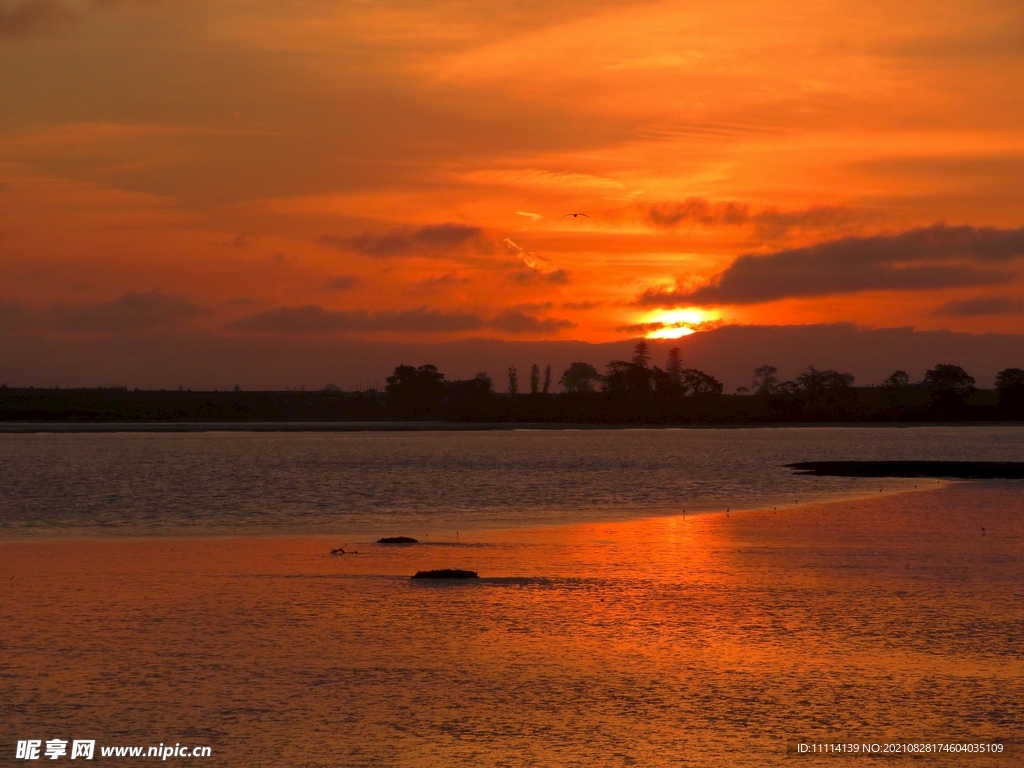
{"x": 982, "y": 306}
{"x": 920, "y": 259}
{"x": 312, "y": 319}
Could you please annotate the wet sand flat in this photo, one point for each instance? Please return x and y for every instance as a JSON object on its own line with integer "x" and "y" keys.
{"x": 704, "y": 640}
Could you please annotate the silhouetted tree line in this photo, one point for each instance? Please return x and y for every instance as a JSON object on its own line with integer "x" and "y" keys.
{"x": 629, "y": 391}
{"x": 634, "y": 391}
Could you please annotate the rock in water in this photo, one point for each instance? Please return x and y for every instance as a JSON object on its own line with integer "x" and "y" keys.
{"x": 446, "y": 573}
{"x": 397, "y": 540}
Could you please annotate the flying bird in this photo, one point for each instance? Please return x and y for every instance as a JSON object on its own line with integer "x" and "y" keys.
{"x": 574, "y": 215}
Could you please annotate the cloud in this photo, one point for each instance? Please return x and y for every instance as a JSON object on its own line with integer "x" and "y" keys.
{"x": 535, "y": 263}
{"x": 928, "y": 257}
{"x": 517, "y": 321}
{"x": 645, "y": 328}
{"x": 768, "y": 221}
{"x": 243, "y": 240}
{"x": 314, "y": 319}
{"x": 537, "y": 267}
{"x": 12, "y": 315}
{"x": 342, "y": 282}
{"x": 447, "y": 279}
{"x": 581, "y": 305}
{"x": 530, "y": 277}
{"x": 983, "y": 305}
{"x": 697, "y": 210}
{"x": 406, "y": 241}
{"x": 31, "y": 18}
{"x": 132, "y": 312}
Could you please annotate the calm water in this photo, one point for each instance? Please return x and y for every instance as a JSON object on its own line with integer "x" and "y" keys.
{"x": 705, "y": 640}
{"x": 421, "y": 482}
{"x": 698, "y": 641}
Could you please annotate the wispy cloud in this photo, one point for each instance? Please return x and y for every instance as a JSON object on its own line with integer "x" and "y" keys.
{"x": 434, "y": 239}
{"x": 537, "y": 266}
{"x": 767, "y": 221}
{"x": 243, "y": 240}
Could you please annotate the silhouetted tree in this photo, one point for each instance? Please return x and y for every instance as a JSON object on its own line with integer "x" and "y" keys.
{"x": 664, "y": 388}
{"x": 785, "y": 388}
{"x": 765, "y": 380}
{"x": 898, "y": 380}
{"x": 534, "y": 379}
{"x": 547, "y": 378}
{"x": 415, "y": 392}
{"x": 580, "y": 377}
{"x": 949, "y": 387}
{"x": 674, "y": 366}
{"x": 814, "y": 381}
{"x": 822, "y": 394}
{"x": 700, "y": 384}
{"x": 1010, "y": 387}
{"x": 641, "y": 354}
{"x": 513, "y": 381}
{"x": 627, "y": 380}
{"x": 470, "y": 400}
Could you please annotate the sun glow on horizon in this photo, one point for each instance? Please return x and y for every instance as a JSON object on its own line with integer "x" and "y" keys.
{"x": 676, "y": 323}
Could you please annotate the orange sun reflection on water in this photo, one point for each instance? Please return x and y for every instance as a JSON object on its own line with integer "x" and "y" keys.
{"x": 714, "y": 635}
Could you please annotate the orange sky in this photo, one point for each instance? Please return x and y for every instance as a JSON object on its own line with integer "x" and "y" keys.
{"x": 400, "y": 170}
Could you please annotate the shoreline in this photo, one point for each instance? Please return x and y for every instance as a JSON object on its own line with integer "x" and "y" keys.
{"x": 58, "y": 427}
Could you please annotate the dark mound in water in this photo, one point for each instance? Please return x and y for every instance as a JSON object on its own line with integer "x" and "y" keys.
{"x": 446, "y": 573}
{"x": 964, "y": 470}
{"x": 397, "y": 540}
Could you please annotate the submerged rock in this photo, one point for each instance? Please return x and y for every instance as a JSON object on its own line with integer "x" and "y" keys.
{"x": 397, "y": 540}
{"x": 446, "y": 573}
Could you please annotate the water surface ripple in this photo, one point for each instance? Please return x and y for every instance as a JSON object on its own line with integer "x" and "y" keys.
{"x": 365, "y": 483}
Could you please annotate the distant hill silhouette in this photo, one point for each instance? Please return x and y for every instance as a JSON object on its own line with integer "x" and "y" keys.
{"x": 728, "y": 353}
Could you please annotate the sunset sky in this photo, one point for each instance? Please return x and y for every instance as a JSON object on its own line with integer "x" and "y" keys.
{"x": 402, "y": 170}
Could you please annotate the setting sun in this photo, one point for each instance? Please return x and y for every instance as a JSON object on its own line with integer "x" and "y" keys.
{"x": 676, "y": 323}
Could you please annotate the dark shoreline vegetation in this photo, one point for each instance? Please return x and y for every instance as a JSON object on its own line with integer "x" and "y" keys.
{"x": 957, "y": 470}
{"x": 629, "y": 392}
